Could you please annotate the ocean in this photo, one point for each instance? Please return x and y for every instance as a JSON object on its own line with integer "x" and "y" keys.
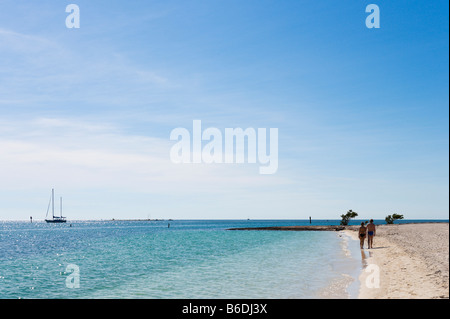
{"x": 191, "y": 259}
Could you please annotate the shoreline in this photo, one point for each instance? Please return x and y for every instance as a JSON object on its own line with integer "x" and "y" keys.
{"x": 346, "y": 286}
{"x": 408, "y": 260}
{"x": 412, "y": 261}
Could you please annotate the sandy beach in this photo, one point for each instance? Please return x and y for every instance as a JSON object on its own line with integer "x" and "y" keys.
{"x": 412, "y": 261}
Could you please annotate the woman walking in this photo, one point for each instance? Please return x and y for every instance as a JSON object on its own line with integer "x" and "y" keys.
{"x": 362, "y": 234}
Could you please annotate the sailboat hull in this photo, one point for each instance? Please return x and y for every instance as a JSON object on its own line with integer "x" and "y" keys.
{"x": 55, "y": 220}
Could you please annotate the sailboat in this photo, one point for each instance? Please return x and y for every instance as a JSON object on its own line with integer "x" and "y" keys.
{"x": 55, "y": 219}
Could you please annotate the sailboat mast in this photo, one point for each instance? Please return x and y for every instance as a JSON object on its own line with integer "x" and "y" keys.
{"x": 53, "y": 203}
{"x": 55, "y": 219}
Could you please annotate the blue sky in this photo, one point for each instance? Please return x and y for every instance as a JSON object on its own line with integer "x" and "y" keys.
{"x": 362, "y": 113}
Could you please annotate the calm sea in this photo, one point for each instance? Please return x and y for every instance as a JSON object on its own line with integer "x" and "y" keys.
{"x": 189, "y": 259}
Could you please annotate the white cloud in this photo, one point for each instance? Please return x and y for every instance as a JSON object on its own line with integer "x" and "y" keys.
{"x": 76, "y": 154}
{"x": 44, "y": 69}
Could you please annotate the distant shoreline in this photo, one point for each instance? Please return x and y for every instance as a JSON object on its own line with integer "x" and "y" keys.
{"x": 333, "y": 227}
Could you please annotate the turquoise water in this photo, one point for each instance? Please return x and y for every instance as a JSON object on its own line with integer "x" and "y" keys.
{"x": 191, "y": 259}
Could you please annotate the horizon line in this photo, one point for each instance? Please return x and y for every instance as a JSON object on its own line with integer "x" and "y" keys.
{"x": 228, "y": 219}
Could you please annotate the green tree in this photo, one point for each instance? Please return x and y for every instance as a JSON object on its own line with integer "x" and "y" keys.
{"x": 346, "y": 218}
{"x": 391, "y": 218}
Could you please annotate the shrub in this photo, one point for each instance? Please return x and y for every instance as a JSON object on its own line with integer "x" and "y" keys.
{"x": 391, "y": 218}
{"x": 346, "y": 218}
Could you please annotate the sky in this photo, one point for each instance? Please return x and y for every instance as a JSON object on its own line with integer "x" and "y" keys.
{"x": 362, "y": 114}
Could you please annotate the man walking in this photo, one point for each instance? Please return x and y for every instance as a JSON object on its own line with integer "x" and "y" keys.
{"x": 370, "y": 233}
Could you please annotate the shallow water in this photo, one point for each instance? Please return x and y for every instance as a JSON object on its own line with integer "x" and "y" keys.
{"x": 191, "y": 259}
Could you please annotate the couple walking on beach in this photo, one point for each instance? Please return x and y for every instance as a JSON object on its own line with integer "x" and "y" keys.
{"x": 370, "y": 230}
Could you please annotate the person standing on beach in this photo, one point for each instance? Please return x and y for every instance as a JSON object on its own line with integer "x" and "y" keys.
{"x": 362, "y": 234}
{"x": 370, "y": 233}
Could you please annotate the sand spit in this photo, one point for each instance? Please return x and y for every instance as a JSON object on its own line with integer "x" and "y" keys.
{"x": 295, "y": 228}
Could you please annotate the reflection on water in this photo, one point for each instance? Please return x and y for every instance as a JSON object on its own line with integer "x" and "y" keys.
{"x": 364, "y": 257}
